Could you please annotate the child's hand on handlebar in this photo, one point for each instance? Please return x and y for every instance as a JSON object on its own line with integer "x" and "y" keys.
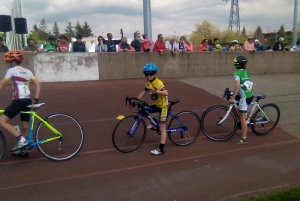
{"x": 231, "y": 100}
{"x": 154, "y": 91}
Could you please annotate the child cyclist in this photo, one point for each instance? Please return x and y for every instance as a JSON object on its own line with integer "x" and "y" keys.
{"x": 20, "y": 78}
{"x": 156, "y": 89}
{"x": 243, "y": 92}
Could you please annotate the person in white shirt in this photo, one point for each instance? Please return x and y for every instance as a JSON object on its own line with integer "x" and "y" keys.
{"x": 172, "y": 45}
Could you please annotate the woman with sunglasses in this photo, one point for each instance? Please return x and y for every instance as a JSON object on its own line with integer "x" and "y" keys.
{"x": 101, "y": 46}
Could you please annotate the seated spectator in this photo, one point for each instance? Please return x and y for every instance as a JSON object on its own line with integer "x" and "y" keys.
{"x": 189, "y": 46}
{"x": 145, "y": 44}
{"x": 172, "y": 45}
{"x": 51, "y": 45}
{"x": 101, "y": 46}
{"x": 78, "y": 45}
{"x": 124, "y": 46}
{"x": 296, "y": 47}
{"x": 258, "y": 46}
{"x": 159, "y": 45}
{"x": 3, "y": 48}
{"x": 111, "y": 44}
{"x": 63, "y": 44}
{"x": 182, "y": 44}
{"x": 279, "y": 46}
{"x": 249, "y": 44}
{"x": 31, "y": 47}
{"x": 235, "y": 46}
{"x": 136, "y": 43}
{"x": 203, "y": 46}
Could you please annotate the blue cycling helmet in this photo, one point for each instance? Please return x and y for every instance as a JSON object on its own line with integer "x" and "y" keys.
{"x": 150, "y": 67}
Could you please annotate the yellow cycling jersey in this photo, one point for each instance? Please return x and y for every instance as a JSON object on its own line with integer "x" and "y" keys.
{"x": 157, "y": 99}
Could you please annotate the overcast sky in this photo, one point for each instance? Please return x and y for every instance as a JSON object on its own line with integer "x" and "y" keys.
{"x": 169, "y": 17}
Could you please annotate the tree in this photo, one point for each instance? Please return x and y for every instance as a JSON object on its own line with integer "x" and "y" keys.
{"x": 87, "y": 30}
{"x": 70, "y": 30}
{"x": 244, "y": 33}
{"x": 79, "y": 29}
{"x": 281, "y": 32}
{"x": 43, "y": 31}
{"x": 55, "y": 30}
{"x": 258, "y": 33}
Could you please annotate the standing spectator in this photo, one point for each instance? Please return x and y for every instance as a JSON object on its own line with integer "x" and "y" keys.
{"x": 111, "y": 44}
{"x": 3, "y": 48}
{"x": 172, "y": 45}
{"x": 210, "y": 45}
{"x": 258, "y": 46}
{"x": 182, "y": 44}
{"x": 159, "y": 45}
{"x": 249, "y": 44}
{"x": 136, "y": 43}
{"x": 203, "y": 46}
{"x": 266, "y": 44}
{"x": 279, "y": 46}
{"x": 51, "y": 45}
{"x": 216, "y": 46}
{"x": 296, "y": 47}
{"x": 235, "y": 46}
{"x": 32, "y": 47}
{"x": 78, "y": 45}
{"x": 63, "y": 44}
{"x": 145, "y": 44}
{"x": 124, "y": 46}
{"x": 101, "y": 46}
{"x": 189, "y": 46}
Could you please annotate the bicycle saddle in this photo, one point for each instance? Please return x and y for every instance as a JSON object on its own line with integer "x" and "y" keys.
{"x": 174, "y": 101}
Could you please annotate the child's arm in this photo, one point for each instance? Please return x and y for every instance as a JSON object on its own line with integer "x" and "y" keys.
{"x": 141, "y": 96}
{"x": 38, "y": 88}
{"x": 3, "y": 82}
{"x": 235, "y": 91}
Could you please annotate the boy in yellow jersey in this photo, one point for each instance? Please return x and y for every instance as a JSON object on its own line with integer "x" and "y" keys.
{"x": 156, "y": 89}
{"x": 20, "y": 78}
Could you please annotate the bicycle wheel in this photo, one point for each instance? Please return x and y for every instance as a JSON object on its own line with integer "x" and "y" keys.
{"x": 2, "y": 145}
{"x": 264, "y": 122}
{"x": 189, "y": 122}
{"x": 129, "y": 134}
{"x": 213, "y": 129}
{"x": 65, "y": 147}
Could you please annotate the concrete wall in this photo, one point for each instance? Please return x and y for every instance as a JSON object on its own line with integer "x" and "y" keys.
{"x": 60, "y": 67}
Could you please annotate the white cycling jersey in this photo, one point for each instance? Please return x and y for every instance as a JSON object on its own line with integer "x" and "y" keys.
{"x": 20, "y": 78}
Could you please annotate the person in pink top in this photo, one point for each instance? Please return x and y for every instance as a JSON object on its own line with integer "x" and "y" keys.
{"x": 189, "y": 46}
{"x": 145, "y": 44}
{"x": 63, "y": 44}
{"x": 249, "y": 44}
{"x": 159, "y": 45}
{"x": 203, "y": 46}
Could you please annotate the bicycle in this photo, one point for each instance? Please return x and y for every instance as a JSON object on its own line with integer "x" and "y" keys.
{"x": 131, "y": 131}
{"x": 219, "y": 123}
{"x": 58, "y": 137}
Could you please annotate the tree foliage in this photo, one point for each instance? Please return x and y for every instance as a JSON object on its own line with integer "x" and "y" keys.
{"x": 55, "y": 31}
{"x": 87, "y": 30}
{"x": 258, "y": 33}
{"x": 70, "y": 32}
{"x": 244, "y": 33}
{"x": 281, "y": 32}
{"x": 79, "y": 29}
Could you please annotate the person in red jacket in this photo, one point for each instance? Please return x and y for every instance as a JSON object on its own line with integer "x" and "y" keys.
{"x": 159, "y": 45}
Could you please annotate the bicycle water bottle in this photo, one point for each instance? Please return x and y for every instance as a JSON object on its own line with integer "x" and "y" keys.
{"x": 17, "y": 127}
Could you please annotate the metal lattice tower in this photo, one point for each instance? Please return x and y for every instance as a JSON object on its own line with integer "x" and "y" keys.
{"x": 234, "y": 18}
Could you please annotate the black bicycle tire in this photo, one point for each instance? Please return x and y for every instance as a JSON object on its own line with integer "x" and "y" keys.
{"x": 69, "y": 156}
{"x": 140, "y": 142}
{"x": 3, "y": 147}
{"x": 196, "y": 135}
{"x": 209, "y": 135}
{"x": 275, "y": 124}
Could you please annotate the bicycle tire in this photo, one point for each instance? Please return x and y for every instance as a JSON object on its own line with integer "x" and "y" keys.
{"x": 213, "y": 130}
{"x": 66, "y": 147}
{"x": 192, "y": 121}
{"x": 2, "y": 145}
{"x": 272, "y": 112}
{"x": 122, "y": 140}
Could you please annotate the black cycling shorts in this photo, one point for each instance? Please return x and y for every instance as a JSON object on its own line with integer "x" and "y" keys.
{"x": 16, "y": 106}
{"x": 163, "y": 113}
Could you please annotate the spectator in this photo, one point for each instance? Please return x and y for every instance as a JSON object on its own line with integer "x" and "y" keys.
{"x": 296, "y": 47}
{"x": 182, "y": 44}
{"x": 279, "y": 46}
{"x": 203, "y": 46}
{"x": 63, "y": 44}
{"x": 145, "y": 44}
{"x": 216, "y": 47}
{"x": 136, "y": 43}
{"x": 189, "y": 46}
{"x": 226, "y": 48}
{"x": 159, "y": 45}
{"x": 258, "y": 46}
{"x": 101, "y": 46}
{"x": 3, "y": 48}
{"x": 210, "y": 45}
{"x": 235, "y": 46}
{"x": 266, "y": 44}
{"x": 32, "y": 47}
{"x": 124, "y": 46}
{"x": 172, "y": 45}
{"x": 51, "y": 45}
{"x": 111, "y": 44}
{"x": 78, "y": 45}
{"x": 286, "y": 48}
{"x": 249, "y": 44}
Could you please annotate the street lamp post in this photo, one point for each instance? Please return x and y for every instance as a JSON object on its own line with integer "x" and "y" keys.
{"x": 295, "y": 22}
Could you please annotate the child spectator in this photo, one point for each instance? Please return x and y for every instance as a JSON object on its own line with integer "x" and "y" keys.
{"x": 145, "y": 44}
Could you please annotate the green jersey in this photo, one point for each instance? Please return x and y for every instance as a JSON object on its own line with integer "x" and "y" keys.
{"x": 50, "y": 47}
{"x": 246, "y": 87}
